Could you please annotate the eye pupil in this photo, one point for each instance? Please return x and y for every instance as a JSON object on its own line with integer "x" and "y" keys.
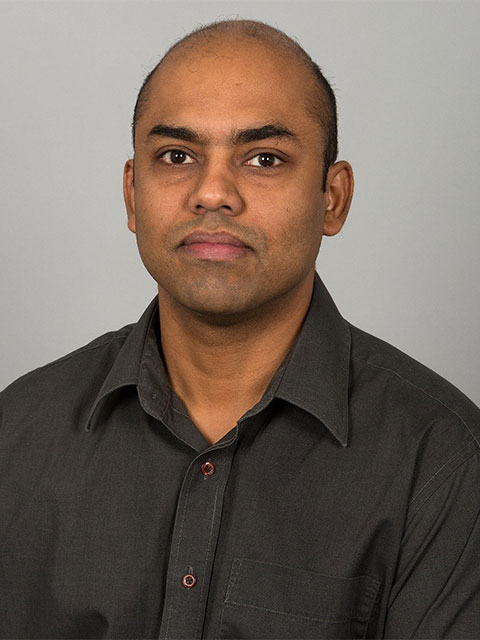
{"x": 266, "y": 159}
{"x": 177, "y": 157}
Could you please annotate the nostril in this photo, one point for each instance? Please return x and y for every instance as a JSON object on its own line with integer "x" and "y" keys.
{"x": 201, "y": 208}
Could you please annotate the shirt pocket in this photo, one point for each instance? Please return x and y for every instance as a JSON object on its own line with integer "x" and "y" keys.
{"x": 273, "y": 601}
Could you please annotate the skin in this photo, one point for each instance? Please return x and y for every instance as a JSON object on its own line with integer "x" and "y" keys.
{"x": 230, "y": 315}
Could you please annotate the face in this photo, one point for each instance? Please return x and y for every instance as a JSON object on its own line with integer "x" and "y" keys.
{"x": 225, "y": 190}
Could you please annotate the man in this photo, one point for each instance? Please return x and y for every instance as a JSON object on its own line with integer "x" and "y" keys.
{"x": 242, "y": 462}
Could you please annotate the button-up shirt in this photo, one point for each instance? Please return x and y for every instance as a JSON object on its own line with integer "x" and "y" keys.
{"x": 345, "y": 504}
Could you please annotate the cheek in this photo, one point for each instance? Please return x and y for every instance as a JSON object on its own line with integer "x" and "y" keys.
{"x": 299, "y": 232}
{"x": 156, "y": 211}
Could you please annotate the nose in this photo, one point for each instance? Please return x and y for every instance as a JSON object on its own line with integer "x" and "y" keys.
{"x": 216, "y": 190}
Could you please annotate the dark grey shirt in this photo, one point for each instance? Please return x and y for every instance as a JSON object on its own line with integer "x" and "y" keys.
{"x": 345, "y": 504}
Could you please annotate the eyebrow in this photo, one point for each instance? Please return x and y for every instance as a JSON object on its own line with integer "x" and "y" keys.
{"x": 180, "y": 133}
{"x": 241, "y": 136}
{"x": 263, "y": 133}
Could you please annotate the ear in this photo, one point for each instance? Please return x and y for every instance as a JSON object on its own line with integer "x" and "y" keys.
{"x": 338, "y": 196}
{"x": 129, "y": 193}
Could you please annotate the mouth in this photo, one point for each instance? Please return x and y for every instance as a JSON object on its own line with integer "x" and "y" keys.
{"x": 217, "y": 246}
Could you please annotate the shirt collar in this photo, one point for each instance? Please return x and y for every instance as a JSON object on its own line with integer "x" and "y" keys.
{"x": 135, "y": 351}
{"x": 315, "y": 377}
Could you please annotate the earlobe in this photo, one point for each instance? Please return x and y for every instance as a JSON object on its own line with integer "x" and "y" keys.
{"x": 129, "y": 193}
{"x": 338, "y": 194}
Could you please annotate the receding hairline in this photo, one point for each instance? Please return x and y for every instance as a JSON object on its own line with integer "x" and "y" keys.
{"x": 241, "y": 29}
{"x": 253, "y": 29}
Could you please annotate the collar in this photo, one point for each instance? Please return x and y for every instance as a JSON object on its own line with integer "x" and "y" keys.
{"x": 315, "y": 377}
{"x": 131, "y": 360}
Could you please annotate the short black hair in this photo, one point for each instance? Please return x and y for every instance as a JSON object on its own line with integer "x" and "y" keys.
{"x": 322, "y": 106}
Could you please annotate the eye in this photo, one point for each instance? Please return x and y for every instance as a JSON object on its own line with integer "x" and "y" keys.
{"x": 176, "y": 156}
{"x": 265, "y": 160}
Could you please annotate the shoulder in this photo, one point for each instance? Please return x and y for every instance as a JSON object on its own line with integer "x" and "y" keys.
{"x": 411, "y": 390}
{"x": 426, "y": 429}
{"x": 78, "y": 373}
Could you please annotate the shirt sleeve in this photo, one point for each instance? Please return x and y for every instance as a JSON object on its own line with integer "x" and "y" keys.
{"x": 436, "y": 593}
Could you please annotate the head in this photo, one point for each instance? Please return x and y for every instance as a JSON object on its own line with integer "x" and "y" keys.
{"x": 234, "y": 180}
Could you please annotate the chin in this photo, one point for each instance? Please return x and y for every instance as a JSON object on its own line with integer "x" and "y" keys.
{"x": 220, "y": 312}
{"x": 221, "y": 307}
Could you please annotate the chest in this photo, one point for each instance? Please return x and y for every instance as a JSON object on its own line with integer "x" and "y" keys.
{"x": 268, "y": 536}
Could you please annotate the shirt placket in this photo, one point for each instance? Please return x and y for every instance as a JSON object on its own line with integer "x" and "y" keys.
{"x": 195, "y": 533}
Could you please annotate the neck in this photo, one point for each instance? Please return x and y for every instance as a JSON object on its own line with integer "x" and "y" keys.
{"x": 221, "y": 371}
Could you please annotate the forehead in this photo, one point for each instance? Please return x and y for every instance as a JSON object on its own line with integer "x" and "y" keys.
{"x": 230, "y": 81}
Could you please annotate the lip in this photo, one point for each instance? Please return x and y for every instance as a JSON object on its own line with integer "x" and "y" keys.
{"x": 216, "y": 246}
{"x": 203, "y": 237}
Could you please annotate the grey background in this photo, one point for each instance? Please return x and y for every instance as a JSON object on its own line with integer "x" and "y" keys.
{"x": 406, "y": 265}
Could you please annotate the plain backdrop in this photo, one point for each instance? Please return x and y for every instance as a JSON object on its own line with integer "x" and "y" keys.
{"x": 406, "y": 266}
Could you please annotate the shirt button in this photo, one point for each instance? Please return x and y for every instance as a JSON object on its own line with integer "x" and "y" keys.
{"x": 208, "y": 469}
{"x": 189, "y": 581}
